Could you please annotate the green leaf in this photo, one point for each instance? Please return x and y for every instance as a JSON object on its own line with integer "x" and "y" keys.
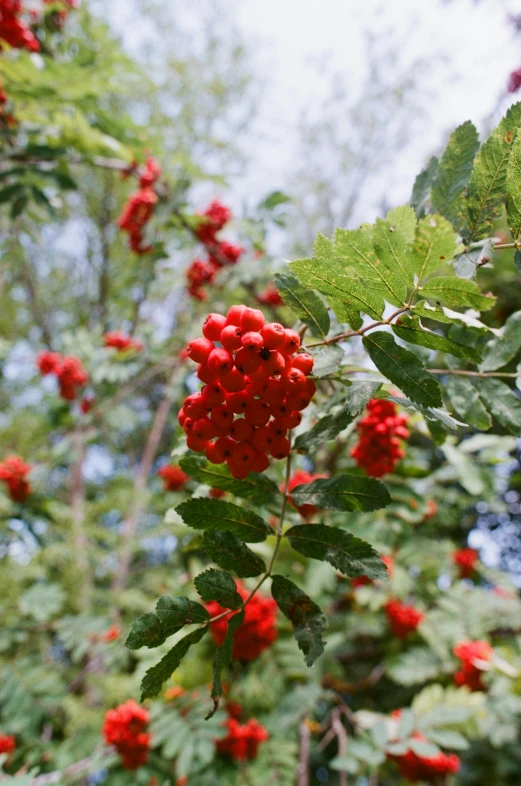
{"x": 513, "y": 185}
{"x": 156, "y": 676}
{"x": 454, "y": 172}
{"x": 306, "y": 617}
{"x": 19, "y": 204}
{"x": 255, "y": 487}
{"x": 215, "y": 514}
{"x": 487, "y": 185}
{"x": 148, "y": 631}
{"x": 436, "y": 244}
{"x": 501, "y": 351}
{"x": 467, "y": 403}
{"x": 414, "y": 666}
{"x": 351, "y": 556}
{"x": 393, "y": 239}
{"x": 502, "y": 403}
{"x": 327, "y": 360}
{"x": 304, "y": 303}
{"x": 410, "y": 329}
{"x": 223, "y": 658}
{"x": 422, "y": 188}
{"x": 10, "y": 192}
{"x": 217, "y": 585}
{"x": 457, "y": 293}
{"x": 403, "y": 369}
{"x": 231, "y": 554}
{"x": 448, "y": 738}
{"x": 423, "y": 748}
{"x": 176, "y": 612}
{"x": 347, "y": 491}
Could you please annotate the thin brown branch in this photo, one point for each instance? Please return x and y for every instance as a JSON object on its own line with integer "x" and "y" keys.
{"x": 303, "y": 758}
{"x": 361, "y": 332}
{"x": 343, "y": 740}
{"x": 28, "y": 277}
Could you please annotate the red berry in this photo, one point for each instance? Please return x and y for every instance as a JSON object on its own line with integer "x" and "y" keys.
{"x": 213, "y": 454}
{"x": 231, "y": 337}
{"x": 252, "y": 319}
{"x": 241, "y": 430}
{"x": 272, "y": 392}
{"x": 252, "y": 341}
{"x": 246, "y": 361}
{"x": 188, "y": 425}
{"x": 280, "y": 448}
{"x": 262, "y": 438}
{"x": 233, "y": 381}
{"x": 213, "y": 325}
{"x": 274, "y": 363}
{"x": 222, "y": 416}
{"x": 257, "y": 413}
{"x": 291, "y": 342}
{"x": 260, "y": 462}
{"x": 310, "y": 388}
{"x": 199, "y": 349}
{"x": 260, "y": 376}
{"x": 223, "y": 431}
{"x": 204, "y": 374}
{"x": 195, "y": 405}
{"x": 220, "y": 361}
{"x": 273, "y": 334}
{"x": 297, "y": 401}
{"x": 234, "y": 315}
{"x": 239, "y": 401}
{"x": 204, "y": 429}
{"x": 278, "y": 428}
{"x": 254, "y": 388}
{"x": 181, "y": 416}
{"x": 213, "y": 395}
{"x": 243, "y": 454}
{"x": 292, "y": 420}
{"x": 199, "y": 445}
{"x": 293, "y": 381}
{"x": 303, "y": 361}
{"x": 238, "y": 471}
{"x": 280, "y": 410}
{"x": 224, "y": 447}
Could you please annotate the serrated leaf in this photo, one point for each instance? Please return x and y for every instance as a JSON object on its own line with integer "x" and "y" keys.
{"x": 501, "y": 351}
{"x": 304, "y": 303}
{"x": 448, "y": 738}
{"x": 422, "y": 188}
{"x": 345, "y": 314}
{"x": 436, "y": 244}
{"x": 223, "y": 658}
{"x": 255, "y": 487}
{"x": 180, "y": 611}
{"x": 393, "y": 239}
{"x": 487, "y": 185}
{"x": 155, "y": 677}
{"x": 306, "y": 617}
{"x": 231, "y": 554}
{"x": 326, "y": 360}
{"x": 438, "y": 414}
{"x": 215, "y": 514}
{"x": 403, "y": 369}
{"x": 217, "y": 585}
{"x": 457, "y": 293}
{"x": 467, "y": 403}
{"x": 410, "y": 329}
{"x": 413, "y": 667}
{"x": 351, "y": 556}
{"x": 347, "y": 491}
{"x": 448, "y": 317}
{"x": 502, "y": 403}
{"x": 148, "y": 631}
{"x": 454, "y": 172}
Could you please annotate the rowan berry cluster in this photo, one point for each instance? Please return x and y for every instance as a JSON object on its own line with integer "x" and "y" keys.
{"x": 7, "y": 744}
{"x": 174, "y": 479}
{"x": 466, "y": 560}
{"x": 125, "y": 728}
{"x": 220, "y": 252}
{"x": 120, "y": 341}
{"x": 257, "y": 632}
{"x": 270, "y": 296}
{"x": 403, "y": 619}
{"x": 68, "y": 370}
{"x": 242, "y": 741}
{"x": 14, "y": 471}
{"x": 139, "y": 207}
{"x": 255, "y": 373}
{"x": 13, "y": 30}
{"x": 474, "y": 657}
{"x": 430, "y": 769}
{"x": 379, "y": 450}
{"x": 302, "y": 478}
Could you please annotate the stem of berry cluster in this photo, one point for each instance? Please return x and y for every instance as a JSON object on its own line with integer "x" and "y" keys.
{"x": 359, "y": 332}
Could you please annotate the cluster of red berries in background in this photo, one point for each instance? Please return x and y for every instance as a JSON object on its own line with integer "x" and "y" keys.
{"x": 242, "y": 741}
{"x": 120, "y": 341}
{"x": 7, "y": 744}
{"x": 255, "y": 390}
{"x": 430, "y": 769}
{"x": 474, "y": 657}
{"x": 220, "y": 252}
{"x": 381, "y": 430}
{"x": 302, "y": 478}
{"x": 257, "y": 632}
{"x": 174, "y": 479}
{"x": 14, "y": 471}
{"x": 140, "y": 206}
{"x": 403, "y": 619}
{"x": 270, "y": 296}
{"x": 13, "y": 30}
{"x": 125, "y": 727}
{"x": 514, "y": 81}
{"x": 68, "y": 370}
{"x": 466, "y": 560}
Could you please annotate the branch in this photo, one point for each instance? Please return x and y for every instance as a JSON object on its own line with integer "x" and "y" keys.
{"x": 303, "y": 759}
{"x": 73, "y": 770}
{"x": 79, "y": 536}
{"x": 461, "y": 373}
{"x": 360, "y": 332}
{"x": 29, "y": 281}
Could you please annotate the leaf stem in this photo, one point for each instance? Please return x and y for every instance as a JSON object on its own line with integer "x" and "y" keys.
{"x": 462, "y": 373}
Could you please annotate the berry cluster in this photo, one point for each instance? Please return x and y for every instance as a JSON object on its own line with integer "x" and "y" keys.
{"x": 474, "y": 656}
{"x": 7, "y": 744}
{"x": 431, "y": 769}
{"x": 68, "y": 370}
{"x": 14, "y": 471}
{"x": 253, "y": 372}
{"x": 242, "y": 740}
{"x": 302, "y": 478}
{"x": 270, "y": 296}
{"x": 378, "y": 450}
{"x": 403, "y": 619}
{"x": 125, "y": 728}
{"x": 257, "y": 632}
{"x": 220, "y": 252}
{"x": 140, "y": 206}
{"x": 466, "y": 560}
{"x": 514, "y": 81}
{"x": 121, "y": 342}
{"x": 13, "y": 30}
{"x": 174, "y": 479}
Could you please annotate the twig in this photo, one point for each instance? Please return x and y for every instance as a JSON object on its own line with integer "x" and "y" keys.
{"x": 303, "y": 759}
{"x": 461, "y": 373}
{"x": 29, "y": 281}
{"x": 360, "y": 332}
{"x": 343, "y": 739}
